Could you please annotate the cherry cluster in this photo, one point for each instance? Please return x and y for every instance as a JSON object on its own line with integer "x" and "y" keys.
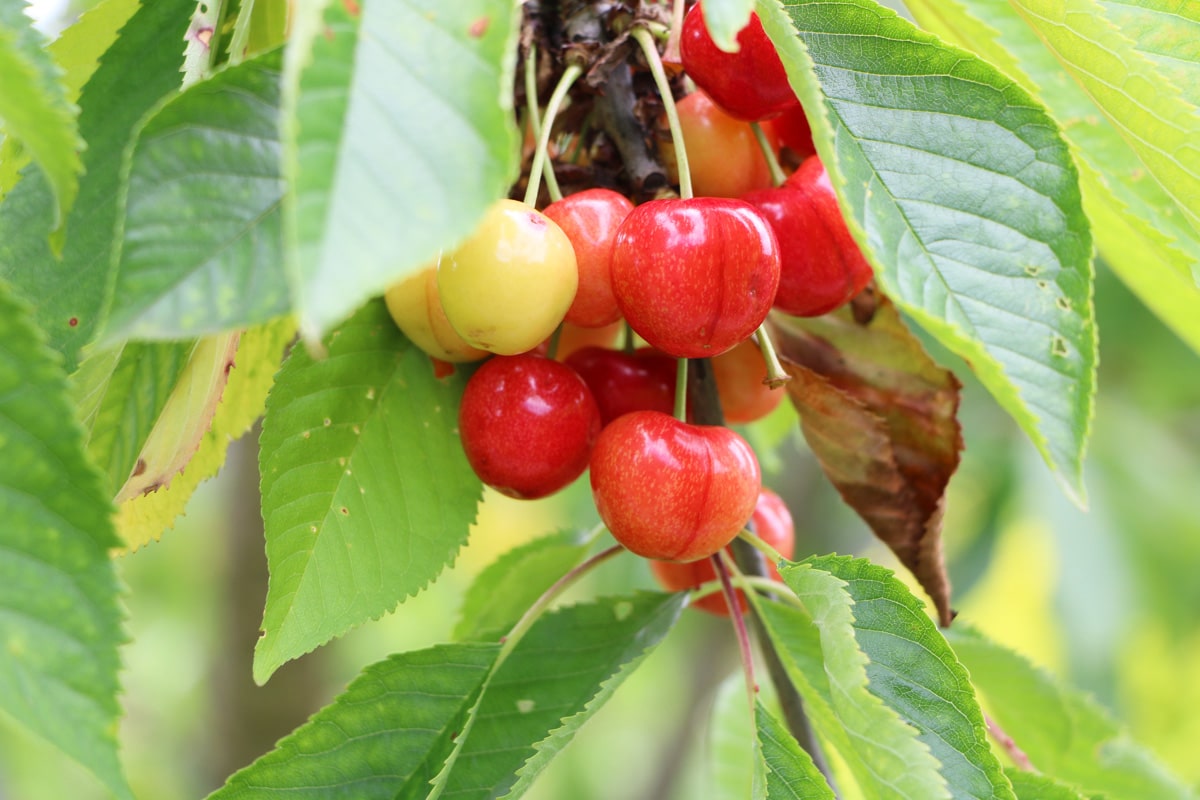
{"x": 542, "y": 296}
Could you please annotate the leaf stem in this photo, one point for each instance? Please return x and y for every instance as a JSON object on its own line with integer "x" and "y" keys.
{"x": 569, "y": 76}
{"x": 724, "y": 565}
{"x": 681, "y": 379}
{"x": 535, "y": 119}
{"x": 777, "y": 174}
{"x": 646, "y": 40}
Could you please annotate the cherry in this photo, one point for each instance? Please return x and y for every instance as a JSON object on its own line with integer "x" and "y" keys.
{"x": 822, "y": 267}
{"x": 773, "y": 524}
{"x": 671, "y": 490}
{"x": 527, "y": 425}
{"x": 416, "y": 307}
{"x": 643, "y": 380}
{"x": 740, "y": 374}
{"x": 590, "y": 219}
{"x": 750, "y": 84}
{"x": 791, "y": 129}
{"x": 695, "y": 277}
{"x": 724, "y": 156}
{"x": 508, "y": 286}
{"x": 575, "y": 337}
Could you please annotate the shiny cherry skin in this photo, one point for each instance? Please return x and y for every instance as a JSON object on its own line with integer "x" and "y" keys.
{"x": 791, "y": 130}
{"x": 750, "y": 84}
{"x": 671, "y": 490}
{"x": 772, "y": 523}
{"x": 508, "y": 286}
{"x": 590, "y": 219}
{"x": 723, "y": 155}
{"x": 695, "y": 277}
{"x": 822, "y": 267}
{"x": 416, "y": 308}
{"x": 740, "y": 373}
{"x": 527, "y": 425}
{"x": 621, "y": 382}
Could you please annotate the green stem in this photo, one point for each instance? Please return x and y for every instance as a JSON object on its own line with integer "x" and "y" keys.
{"x": 646, "y": 40}
{"x": 776, "y": 375}
{"x": 552, "y": 348}
{"x": 681, "y": 377}
{"x": 569, "y": 76}
{"x": 758, "y": 544}
{"x": 671, "y": 51}
{"x": 777, "y": 174}
{"x": 535, "y": 118}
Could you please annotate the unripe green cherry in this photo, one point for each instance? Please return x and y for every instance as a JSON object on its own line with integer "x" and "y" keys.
{"x": 508, "y": 286}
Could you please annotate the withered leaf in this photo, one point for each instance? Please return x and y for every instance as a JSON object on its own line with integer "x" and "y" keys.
{"x": 880, "y": 415}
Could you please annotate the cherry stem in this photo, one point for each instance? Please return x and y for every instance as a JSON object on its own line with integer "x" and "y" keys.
{"x": 776, "y": 376}
{"x": 646, "y": 40}
{"x": 629, "y": 341}
{"x": 552, "y": 347}
{"x": 724, "y": 565}
{"x": 1010, "y": 746}
{"x": 681, "y": 378}
{"x": 569, "y": 76}
{"x": 671, "y": 51}
{"x": 756, "y": 541}
{"x": 535, "y": 118}
{"x": 777, "y": 174}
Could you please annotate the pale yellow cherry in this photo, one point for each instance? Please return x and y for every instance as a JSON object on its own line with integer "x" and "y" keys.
{"x": 509, "y": 285}
{"x": 417, "y": 309}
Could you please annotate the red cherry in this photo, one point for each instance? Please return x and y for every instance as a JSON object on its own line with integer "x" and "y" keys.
{"x": 750, "y": 84}
{"x": 773, "y": 524}
{"x": 527, "y": 425}
{"x": 822, "y": 267}
{"x": 590, "y": 219}
{"x": 670, "y": 490}
{"x": 791, "y": 130}
{"x": 723, "y": 155}
{"x": 740, "y": 374}
{"x": 643, "y": 380}
{"x": 695, "y": 277}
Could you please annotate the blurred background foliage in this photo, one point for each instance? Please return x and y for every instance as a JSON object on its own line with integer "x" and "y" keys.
{"x": 1108, "y": 599}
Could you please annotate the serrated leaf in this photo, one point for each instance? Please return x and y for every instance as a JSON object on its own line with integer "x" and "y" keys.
{"x": 398, "y": 133}
{"x": 1032, "y": 786}
{"x": 68, "y": 294}
{"x": 964, "y": 196}
{"x": 1139, "y": 230}
{"x": 185, "y": 417}
{"x": 120, "y": 394}
{"x": 392, "y": 728}
{"x": 144, "y": 518}
{"x": 730, "y": 760}
{"x": 560, "y": 673}
{"x": 34, "y": 109}
{"x": 1168, "y": 33}
{"x": 1151, "y": 113}
{"x": 366, "y": 491}
{"x": 1064, "y": 732}
{"x": 724, "y": 19}
{"x": 510, "y": 584}
{"x": 791, "y": 773}
{"x": 880, "y": 416}
{"x": 202, "y": 242}
{"x": 829, "y": 668}
{"x": 60, "y": 623}
{"x": 76, "y": 52}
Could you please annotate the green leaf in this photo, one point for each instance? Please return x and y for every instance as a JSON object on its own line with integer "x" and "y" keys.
{"x": 120, "y": 393}
{"x": 140, "y": 68}
{"x": 366, "y": 491}
{"x": 791, "y": 773}
{"x": 1168, "y": 33}
{"x": 1154, "y": 117}
{"x": 1064, "y": 732}
{"x": 829, "y": 668}
{"x": 965, "y": 198}
{"x": 724, "y": 19}
{"x": 390, "y": 730}
{"x": 76, "y": 52}
{"x": 730, "y": 759}
{"x": 1139, "y": 229}
{"x": 511, "y": 583}
{"x": 202, "y": 243}
{"x": 34, "y": 109}
{"x": 559, "y": 674}
{"x": 60, "y": 623}
{"x": 144, "y": 518}
{"x": 398, "y": 134}
{"x": 1032, "y": 786}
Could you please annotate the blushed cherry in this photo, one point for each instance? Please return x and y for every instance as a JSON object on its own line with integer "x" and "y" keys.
{"x": 590, "y": 220}
{"x": 621, "y": 382}
{"x": 723, "y": 154}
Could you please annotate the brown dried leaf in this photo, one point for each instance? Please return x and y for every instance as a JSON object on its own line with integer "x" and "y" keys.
{"x": 880, "y": 416}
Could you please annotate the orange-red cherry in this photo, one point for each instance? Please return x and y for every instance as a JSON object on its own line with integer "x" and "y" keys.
{"x": 590, "y": 219}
